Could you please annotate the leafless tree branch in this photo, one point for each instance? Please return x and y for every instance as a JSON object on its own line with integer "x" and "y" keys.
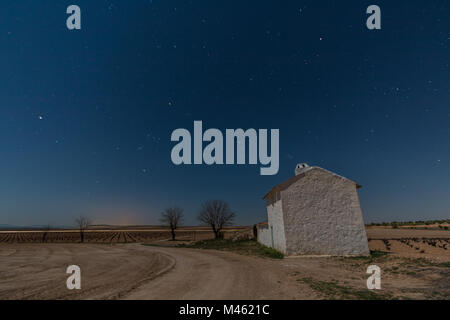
{"x": 217, "y": 214}
{"x": 45, "y": 232}
{"x": 82, "y": 224}
{"x": 172, "y": 217}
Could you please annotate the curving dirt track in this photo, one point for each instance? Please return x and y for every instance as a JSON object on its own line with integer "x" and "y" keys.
{"x": 209, "y": 274}
{"x": 38, "y": 271}
{"x": 134, "y": 271}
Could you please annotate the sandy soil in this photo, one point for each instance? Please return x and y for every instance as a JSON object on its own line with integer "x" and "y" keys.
{"x": 429, "y": 244}
{"x": 131, "y": 271}
{"x": 209, "y": 274}
{"x": 134, "y": 271}
{"x": 38, "y": 271}
{"x": 389, "y": 233}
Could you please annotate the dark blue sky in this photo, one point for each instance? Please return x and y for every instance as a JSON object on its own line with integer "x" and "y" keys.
{"x": 86, "y": 116}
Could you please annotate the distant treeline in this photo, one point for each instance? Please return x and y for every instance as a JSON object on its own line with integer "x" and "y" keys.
{"x": 396, "y": 224}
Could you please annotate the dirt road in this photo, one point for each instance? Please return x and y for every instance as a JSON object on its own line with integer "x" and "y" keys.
{"x": 38, "y": 271}
{"x": 134, "y": 271}
{"x": 137, "y": 272}
{"x": 208, "y": 274}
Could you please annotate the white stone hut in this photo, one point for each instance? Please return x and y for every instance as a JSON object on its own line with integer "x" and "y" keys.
{"x": 316, "y": 212}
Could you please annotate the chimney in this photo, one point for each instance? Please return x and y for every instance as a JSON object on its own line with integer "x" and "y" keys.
{"x": 300, "y": 168}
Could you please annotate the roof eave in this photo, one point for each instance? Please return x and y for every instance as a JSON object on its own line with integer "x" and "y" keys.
{"x": 280, "y": 186}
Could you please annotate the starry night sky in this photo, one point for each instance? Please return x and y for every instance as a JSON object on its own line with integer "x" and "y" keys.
{"x": 86, "y": 116}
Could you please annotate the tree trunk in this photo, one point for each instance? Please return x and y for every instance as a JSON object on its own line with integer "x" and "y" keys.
{"x": 173, "y": 234}
{"x": 82, "y": 236}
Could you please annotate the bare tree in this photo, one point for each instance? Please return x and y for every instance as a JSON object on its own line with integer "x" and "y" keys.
{"x": 82, "y": 224}
{"x": 45, "y": 232}
{"x": 172, "y": 217}
{"x": 217, "y": 214}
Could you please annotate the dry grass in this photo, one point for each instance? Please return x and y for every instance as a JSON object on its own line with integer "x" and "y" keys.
{"x": 246, "y": 247}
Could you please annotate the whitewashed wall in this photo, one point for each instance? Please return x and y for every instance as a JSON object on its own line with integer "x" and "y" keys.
{"x": 323, "y": 216}
{"x": 276, "y": 225}
{"x": 264, "y": 236}
{"x": 274, "y": 235}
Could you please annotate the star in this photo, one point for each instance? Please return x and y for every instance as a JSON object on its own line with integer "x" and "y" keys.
{"x": 41, "y": 117}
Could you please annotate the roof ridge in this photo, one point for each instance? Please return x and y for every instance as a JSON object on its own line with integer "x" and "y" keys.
{"x": 290, "y": 180}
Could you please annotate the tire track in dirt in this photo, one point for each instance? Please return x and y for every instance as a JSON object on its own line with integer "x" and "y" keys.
{"x": 208, "y": 274}
{"x": 133, "y": 271}
{"x": 38, "y": 271}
